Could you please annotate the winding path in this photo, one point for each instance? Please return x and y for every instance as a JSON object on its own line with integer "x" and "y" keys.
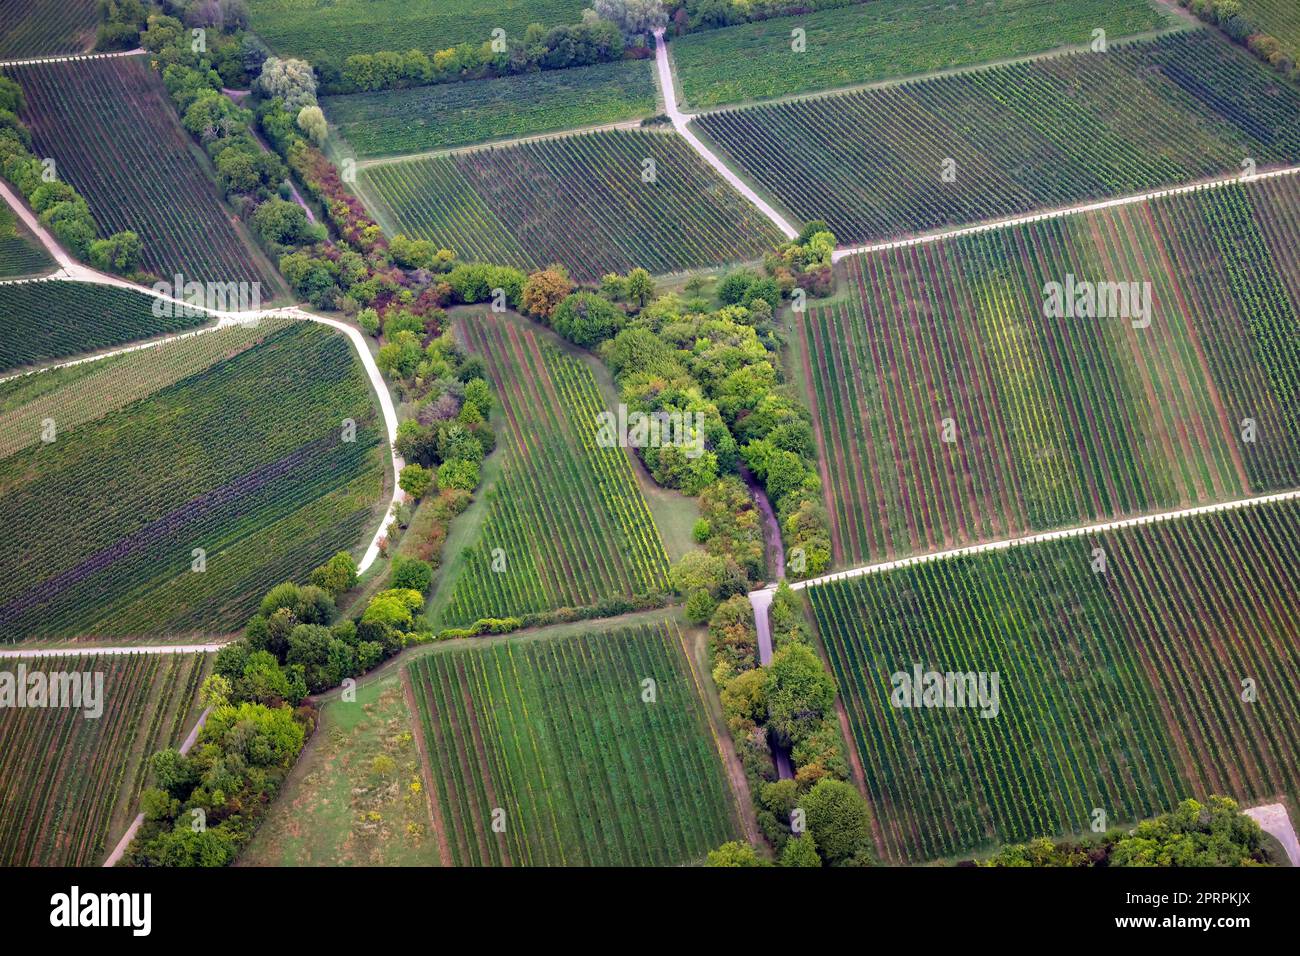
{"x": 72, "y": 271}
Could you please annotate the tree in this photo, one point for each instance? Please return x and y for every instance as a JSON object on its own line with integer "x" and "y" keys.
{"x": 290, "y": 80}
{"x": 460, "y": 473}
{"x": 799, "y": 692}
{"x": 415, "y": 480}
{"x": 734, "y": 853}
{"x": 801, "y": 851}
{"x": 1215, "y": 833}
{"x": 282, "y": 222}
{"x": 838, "y": 819}
{"x": 311, "y": 120}
{"x": 215, "y": 691}
{"x": 337, "y": 575}
{"x": 544, "y": 290}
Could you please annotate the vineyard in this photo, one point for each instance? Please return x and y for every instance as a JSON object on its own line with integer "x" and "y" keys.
{"x": 41, "y": 27}
{"x": 114, "y": 136}
{"x": 887, "y": 38}
{"x": 950, "y": 408}
{"x": 20, "y": 253}
{"x": 456, "y": 114}
{"x": 567, "y": 524}
{"x": 994, "y": 142}
{"x": 1279, "y": 18}
{"x": 554, "y": 742}
{"x": 338, "y": 29}
{"x": 69, "y": 785}
{"x": 40, "y": 321}
{"x": 597, "y": 202}
{"x": 1119, "y": 690}
{"x": 134, "y": 514}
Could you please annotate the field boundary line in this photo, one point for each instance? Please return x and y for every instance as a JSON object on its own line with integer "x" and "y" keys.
{"x": 72, "y": 57}
{"x": 1061, "y": 213}
{"x": 73, "y": 271}
{"x": 1079, "y": 531}
{"x": 680, "y": 121}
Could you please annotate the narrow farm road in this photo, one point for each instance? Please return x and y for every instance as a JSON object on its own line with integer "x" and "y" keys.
{"x": 1008, "y": 543}
{"x": 681, "y": 123}
{"x": 73, "y": 271}
{"x": 93, "y": 649}
{"x": 138, "y": 822}
{"x": 1061, "y": 212}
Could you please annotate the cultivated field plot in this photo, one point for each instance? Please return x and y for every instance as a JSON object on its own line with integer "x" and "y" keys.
{"x": 566, "y": 524}
{"x": 887, "y": 38}
{"x": 552, "y": 738}
{"x": 336, "y": 29}
{"x": 1050, "y": 132}
{"x": 141, "y": 498}
{"x": 583, "y": 201}
{"x": 41, "y": 27}
{"x": 1279, "y": 18}
{"x": 68, "y": 783}
{"x": 114, "y": 136}
{"x": 20, "y": 252}
{"x": 1059, "y": 420}
{"x": 1119, "y": 691}
{"x": 40, "y": 321}
{"x": 458, "y": 114}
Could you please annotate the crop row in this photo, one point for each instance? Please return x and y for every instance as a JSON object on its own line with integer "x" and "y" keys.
{"x": 599, "y": 202}
{"x": 114, "y": 136}
{"x": 1007, "y": 139}
{"x": 558, "y": 743}
{"x": 20, "y": 253}
{"x": 1120, "y": 690}
{"x": 886, "y": 38}
{"x": 951, "y": 407}
{"x": 64, "y": 777}
{"x": 566, "y": 524}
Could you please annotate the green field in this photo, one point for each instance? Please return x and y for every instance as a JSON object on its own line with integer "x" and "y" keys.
{"x": 1120, "y": 691}
{"x": 40, "y": 321}
{"x": 1059, "y": 420}
{"x": 240, "y": 455}
{"x": 553, "y": 740}
{"x": 458, "y": 114}
{"x": 20, "y": 252}
{"x": 566, "y": 523}
{"x": 69, "y": 783}
{"x": 1050, "y": 132}
{"x": 335, "y": 29}
{"x": 885, "y": 39}
{"x": 41, "y": 27}
{"x": 600, "y": 202}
